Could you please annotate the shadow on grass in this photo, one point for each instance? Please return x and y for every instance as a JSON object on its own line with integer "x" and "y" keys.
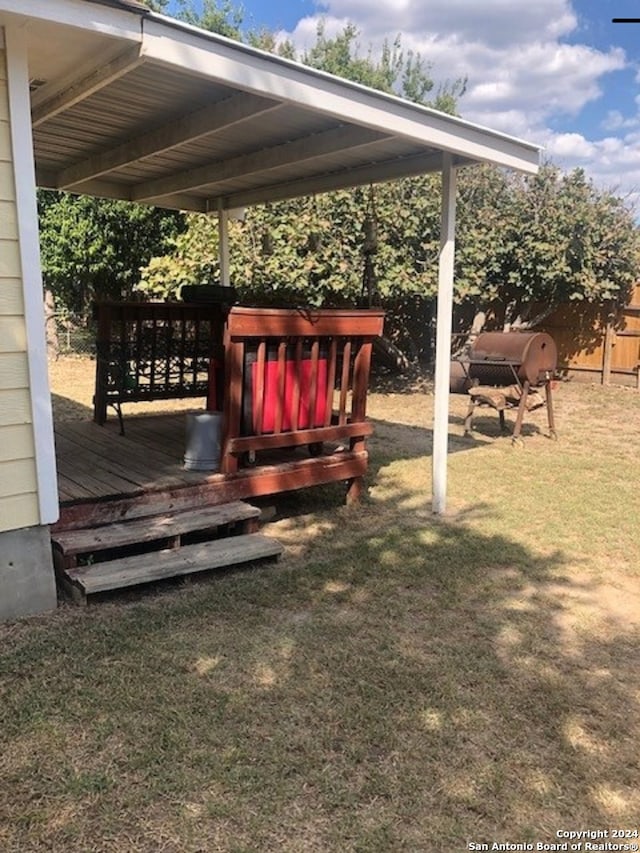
{"x": 68, "y": 409}
{"x": 396, "y": 683}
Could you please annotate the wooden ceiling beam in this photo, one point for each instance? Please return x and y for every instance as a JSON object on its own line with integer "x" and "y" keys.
{"x": 203, "y": 122}
{"x": 99, "y": 77}
{"x": 401, "y": 167}
{"x": 299, "y": 150}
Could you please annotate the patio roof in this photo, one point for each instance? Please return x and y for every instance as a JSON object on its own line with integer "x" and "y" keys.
{"x": 133, "y": 105}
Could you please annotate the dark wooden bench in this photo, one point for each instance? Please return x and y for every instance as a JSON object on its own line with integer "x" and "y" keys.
{"x": 156, "y": 351}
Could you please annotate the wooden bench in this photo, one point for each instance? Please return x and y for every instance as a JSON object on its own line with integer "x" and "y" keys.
{"x": 155, "y": 351}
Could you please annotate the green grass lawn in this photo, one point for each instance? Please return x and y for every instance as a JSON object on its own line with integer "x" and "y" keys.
{"x": 396, "y": 683}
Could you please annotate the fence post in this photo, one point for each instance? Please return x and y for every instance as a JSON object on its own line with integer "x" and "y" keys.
{"x": 609, "y": 340}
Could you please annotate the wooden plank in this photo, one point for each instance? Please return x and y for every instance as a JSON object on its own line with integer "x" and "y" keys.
{"x": 295, "y": 391}
{"x": 170, "y": 438}
{"x": 283, "y": 322}
{"x": 259, "y": 387}
{"x": 361, "y": 369}
{"x": 234, "y": 363}
{"x": 151, "y": 528}
{"x": 313, "y": 383}
{"x": 609, "y": 339}
{"x": 300, "y": 437}
{"x": 69, "y": 490}
{"x": 102, "y": 475}
{"x": 130, "y": 459}
{"x": 344, "y": 382}
{"x": 218, "y": 489}
{"x": 83, "y": 480}
{"x": 331, "y": 380}
{"x": 145, "y": 568}
{"x": 280, "y": 400}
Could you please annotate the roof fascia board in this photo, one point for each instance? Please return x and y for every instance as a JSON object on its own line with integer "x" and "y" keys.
{"x": 77, "y": 13}
{"x": 256, "y": 71}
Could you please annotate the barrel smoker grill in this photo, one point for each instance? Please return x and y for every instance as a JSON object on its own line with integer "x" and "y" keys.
{"x": 509, "y": 370}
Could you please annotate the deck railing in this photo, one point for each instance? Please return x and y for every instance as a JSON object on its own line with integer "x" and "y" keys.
{"x": 283, "y": 378}
{"x": 154, "y": 351}
{"x": 294, "y": 378}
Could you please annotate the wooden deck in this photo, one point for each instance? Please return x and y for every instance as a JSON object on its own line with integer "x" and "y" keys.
{"x": 96, "y": 462}
{"x": 105, "y": 477}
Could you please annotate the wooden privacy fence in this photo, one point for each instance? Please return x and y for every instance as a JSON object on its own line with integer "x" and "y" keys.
{"x": 597, "y": 343}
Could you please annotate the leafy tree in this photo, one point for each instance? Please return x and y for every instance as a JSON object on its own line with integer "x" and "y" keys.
{"x": 524, "y": 244}
{"x": 156, "y": 5}
{"x": 92, "y": 247}
{"x": 392, "y": 71}
{"x": 528, "y": 244}
{"x": 217, "y": 17}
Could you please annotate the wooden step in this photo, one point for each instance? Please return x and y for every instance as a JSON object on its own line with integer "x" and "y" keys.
{"x": 159, "y": 565}
{"x": 92, "y": 540}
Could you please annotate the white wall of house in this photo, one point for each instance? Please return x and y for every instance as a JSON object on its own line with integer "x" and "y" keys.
{"x": 28, "y": 488}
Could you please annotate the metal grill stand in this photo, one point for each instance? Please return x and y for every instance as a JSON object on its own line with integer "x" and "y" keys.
{"x": 508, "y": 370}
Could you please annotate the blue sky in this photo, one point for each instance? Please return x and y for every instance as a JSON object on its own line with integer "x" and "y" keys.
{"x": 555, "y": 72}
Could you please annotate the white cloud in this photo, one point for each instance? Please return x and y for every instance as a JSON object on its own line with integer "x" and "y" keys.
{"x": 572, "y": 146}
{"x": 614, "y": 120}
{"x": 522, "y": 77}
{"x": 612, "y": 162}
{"x": 493, "y": 22}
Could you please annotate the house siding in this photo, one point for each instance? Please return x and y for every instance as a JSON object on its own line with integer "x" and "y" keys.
{"x": 18, "y": 480}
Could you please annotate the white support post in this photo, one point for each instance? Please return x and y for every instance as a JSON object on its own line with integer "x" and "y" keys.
{"x": 443, "y": 335}
{"x": 223, "y": 246}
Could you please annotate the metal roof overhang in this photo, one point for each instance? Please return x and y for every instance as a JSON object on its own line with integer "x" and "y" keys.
{"x": 132, "y": 105}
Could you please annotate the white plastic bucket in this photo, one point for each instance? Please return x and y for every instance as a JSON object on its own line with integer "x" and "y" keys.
{"x": 203, "y": 441}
